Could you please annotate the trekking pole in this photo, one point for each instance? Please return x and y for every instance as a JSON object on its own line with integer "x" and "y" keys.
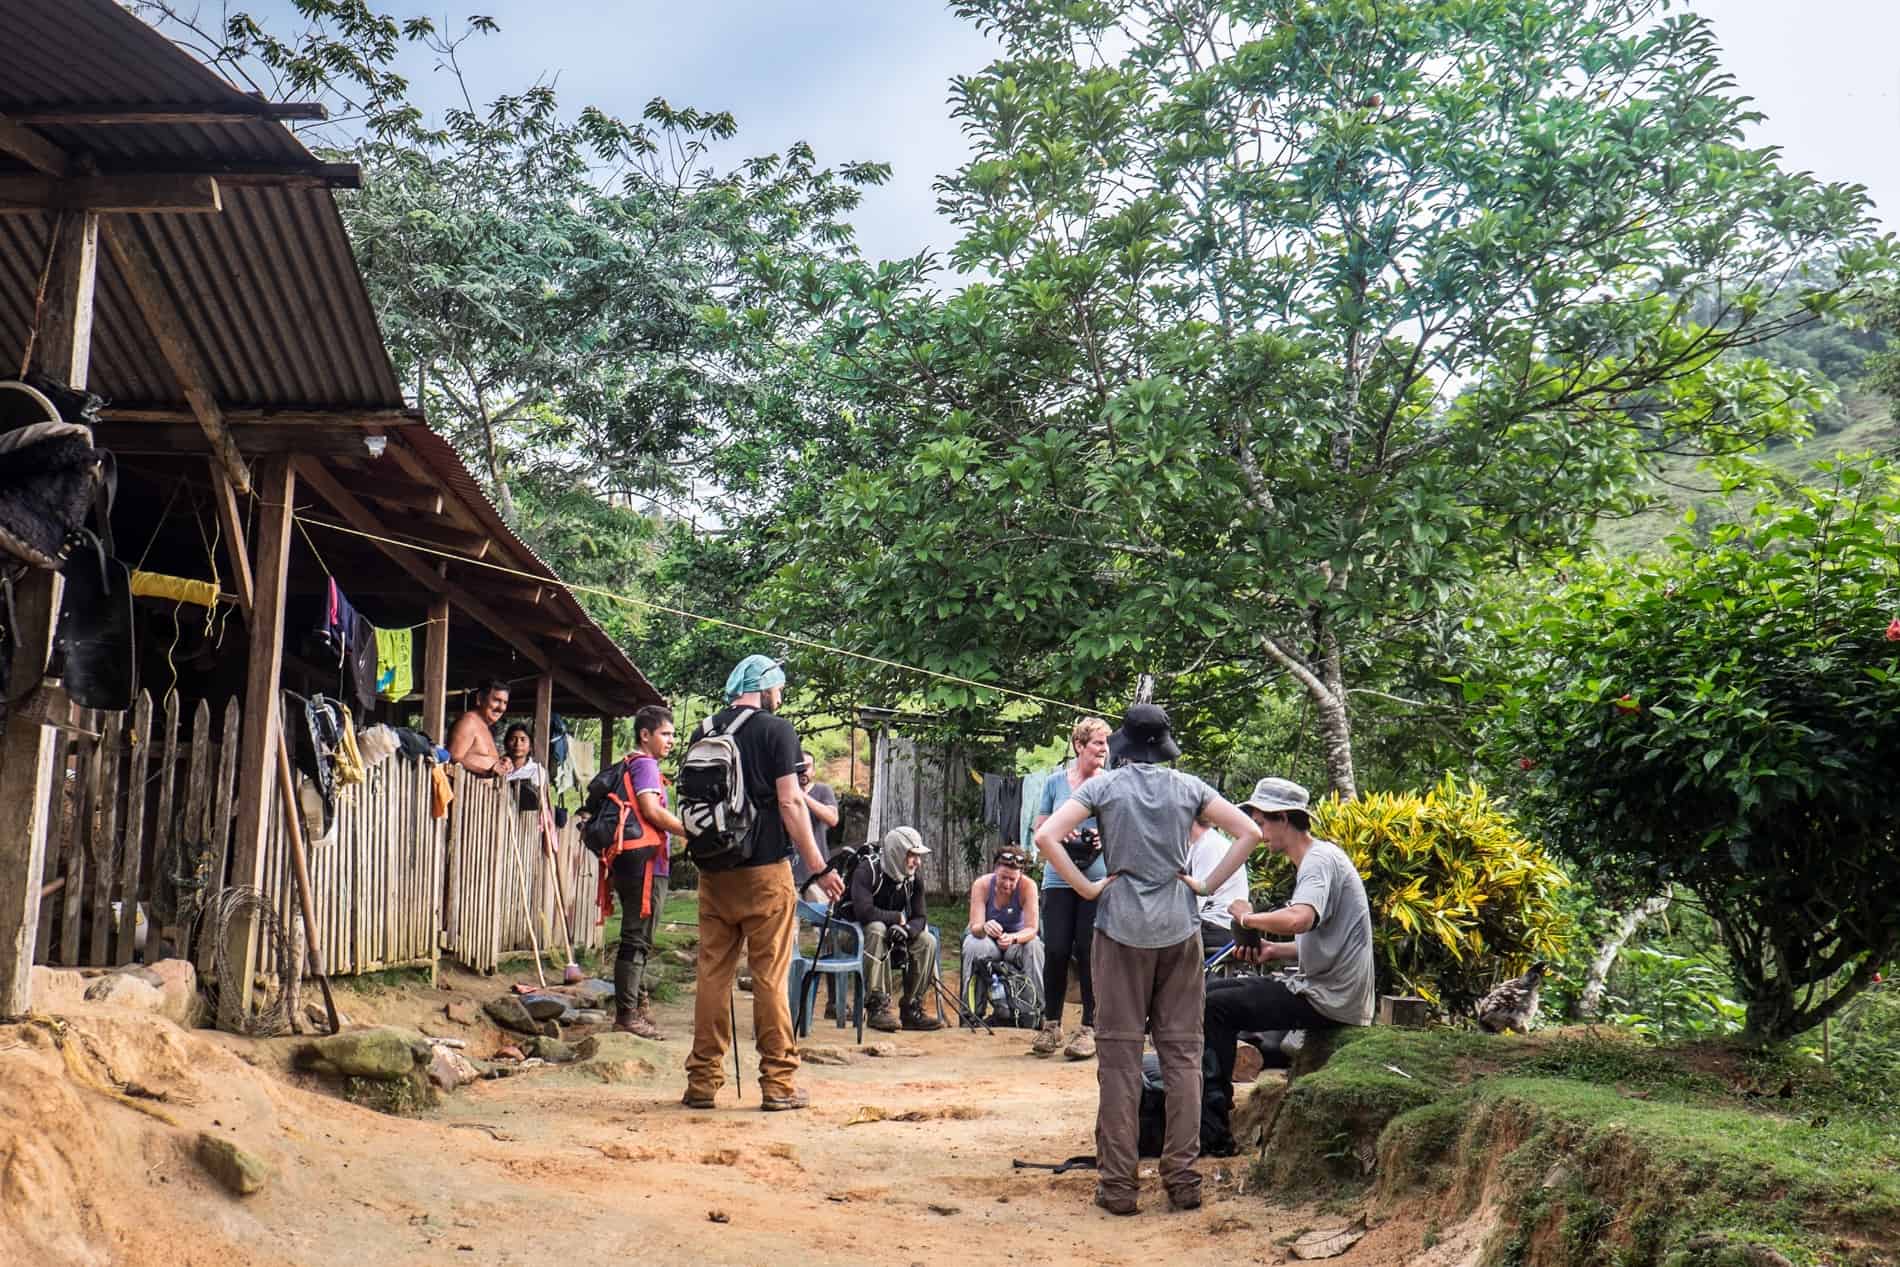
{"x": 521, "y": 885}
{"x": 738, "y": 1079}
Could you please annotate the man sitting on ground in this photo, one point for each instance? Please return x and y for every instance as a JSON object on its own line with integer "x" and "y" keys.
{"x": 887, "y": 898}
{"x": 1330, "y": 982}
{"x": 1003, "y": 923}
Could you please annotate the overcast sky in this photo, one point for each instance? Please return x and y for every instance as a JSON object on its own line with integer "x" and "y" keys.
{"x": 868, "y": 79}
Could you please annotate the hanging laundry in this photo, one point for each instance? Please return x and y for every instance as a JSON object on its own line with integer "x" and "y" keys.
{"x": 335, "y": 619}
{"x": 377, "y": 744}
{"x": 348, "y": 758}
{"x": 361, "y": 664}
{"x": 395, "y": 663}
{"x": 443, "y": 792}
{"x": 1032, "y": 797}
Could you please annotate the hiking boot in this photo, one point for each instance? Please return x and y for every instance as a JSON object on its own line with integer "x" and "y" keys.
{"x": 1048, "y": 1040}
{"x": 798, "y": 1098}
{"x": 1082, "y": 1046}
{"x": 915, "y": 1018}
{"x": 697, "y": 1099}
{"x": 1185, "y": 1197}
{"x": 1115, "y": 1205}
{"x": 884, "y": 1017}
{"x": 639, "y": 1024}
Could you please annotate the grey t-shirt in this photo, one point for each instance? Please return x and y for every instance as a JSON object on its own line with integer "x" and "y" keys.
{"x": 820, "y": 833}
{"x": 1146, "y": 812}
{"x": 1335, "y": 972}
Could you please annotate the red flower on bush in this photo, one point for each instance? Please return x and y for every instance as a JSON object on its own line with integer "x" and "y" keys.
{"x": 1626, "y": 704}
{"x": 1525, "y": 763}
{"x": 1893, "y": 630}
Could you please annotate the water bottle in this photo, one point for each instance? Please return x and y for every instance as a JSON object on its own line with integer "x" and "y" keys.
{"x": 996, "y": 989}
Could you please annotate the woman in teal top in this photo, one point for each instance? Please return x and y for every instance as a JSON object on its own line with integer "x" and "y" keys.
{"x": 1068, "y": 922}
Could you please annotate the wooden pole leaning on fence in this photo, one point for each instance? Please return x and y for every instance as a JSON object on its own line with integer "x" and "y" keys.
{"x": 293, "y": 824}
{"x": 513, "y": 845}
{"x": 553, "y": 852}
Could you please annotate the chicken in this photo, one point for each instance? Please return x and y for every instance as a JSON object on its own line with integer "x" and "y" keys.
{"x": 1512, "y": 1006}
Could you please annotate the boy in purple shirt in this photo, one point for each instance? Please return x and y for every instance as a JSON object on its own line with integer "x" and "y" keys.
{"x": 640, "y": 872}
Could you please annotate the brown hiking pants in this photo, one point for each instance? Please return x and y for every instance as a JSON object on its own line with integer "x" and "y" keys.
{"x": 1162, "y": 990}
{"x": 757, "y": 908}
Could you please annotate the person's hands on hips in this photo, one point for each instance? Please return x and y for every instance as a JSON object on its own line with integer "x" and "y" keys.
{"x": 1195, "y": 885}
{"x": 1092, "y": 889}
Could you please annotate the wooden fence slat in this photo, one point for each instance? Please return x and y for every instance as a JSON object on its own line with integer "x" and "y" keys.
{"x": 162, "y": 825}
{"x": 78, "y": 786}
{"x": 132, "y": 841}
{"x": 224, "y": 792}
{"x": 101, "y": 827}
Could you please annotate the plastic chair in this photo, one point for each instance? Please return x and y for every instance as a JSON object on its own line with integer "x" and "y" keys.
{"x": 831, "y": 961}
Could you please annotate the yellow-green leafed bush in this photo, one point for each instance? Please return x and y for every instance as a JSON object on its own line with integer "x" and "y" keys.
{"x": 1460, "y": 899}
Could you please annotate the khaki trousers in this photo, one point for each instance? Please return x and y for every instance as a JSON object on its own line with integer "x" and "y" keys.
{"x": 753, "y": 907}
{"x": 920, "y": 965}
{"x": 1137, "y": 989}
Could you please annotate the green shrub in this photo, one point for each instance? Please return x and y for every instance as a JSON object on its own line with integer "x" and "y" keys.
{"x": 1459, "y": 896}
{"x": 1725, "y": 718}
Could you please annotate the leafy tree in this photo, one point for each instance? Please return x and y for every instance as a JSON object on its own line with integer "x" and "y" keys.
{"x": 1460, "y": 898}
{"x": 1725, "y": 718}
{"x": 1293, "y": 320}
{"x": 540, "y": 277}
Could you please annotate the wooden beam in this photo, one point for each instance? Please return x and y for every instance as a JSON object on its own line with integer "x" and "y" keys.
{"x": 231, "y": 525}
{"x": 394, "y": 490}
{"x": 607, "y": 721}
{"x": 435, "y": 672}
{"x": 167, "y": 327}
{"x": 62, "y": 343}
{"x": 544, "y": 721}
{"x": 34, "y": 194}
{"x": 435, "y": 536}
{"x": 33, "y": 149}
{"x": 360, "y": 517}
{"x": 94, "y": 114}
{"x": 252, "y": 439}
{"x": 263, "y": 705}
{"x": 272, "y": 417}
{"x": 276, "y": 175}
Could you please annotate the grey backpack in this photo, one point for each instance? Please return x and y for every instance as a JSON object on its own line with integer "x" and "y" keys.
{"x": 713, "y": 806}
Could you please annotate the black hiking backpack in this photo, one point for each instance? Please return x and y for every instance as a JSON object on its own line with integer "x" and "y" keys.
{"x": 718, "y": 815}
{"x": 610, "y": 809}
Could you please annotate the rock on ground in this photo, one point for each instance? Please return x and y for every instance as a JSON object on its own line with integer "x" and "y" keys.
{"x": 382, "y": 1054}
{"x": 544, "y": 1007}
{"x": 507, "y": 1012}
{"x": 554, "y": 1051}
{"x": 460, "y": 1013}
{"x": 449, "y": 1069}
{"x": 240, "y": 1172}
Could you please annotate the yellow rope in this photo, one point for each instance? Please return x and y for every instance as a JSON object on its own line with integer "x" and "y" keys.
{"x": 780, "y": 635}
{"x": 181, "y": 589}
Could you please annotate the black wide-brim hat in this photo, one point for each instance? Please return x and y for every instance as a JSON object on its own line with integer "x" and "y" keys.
{"x": 1146, "y": 735}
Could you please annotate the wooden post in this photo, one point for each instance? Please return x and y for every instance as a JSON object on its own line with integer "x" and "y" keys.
{"x": 63, "y": 345}
{"x": 543, "y": 720}
{"x": 435, "y": 672}
{"x": 607, "y": 750}
{"x": 263, "y": 706}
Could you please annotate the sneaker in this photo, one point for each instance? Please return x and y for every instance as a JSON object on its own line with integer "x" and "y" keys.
{"x": 797, "y": 1099}
{"x": 1082, "y": 1046}
{"x": 1048, "y": 1040}
{"x": 915, "y": 1018}
{"x": 1115, "y": 1205}
{"x": 697, "y": 1099}
{"x": 884, "y": 1017}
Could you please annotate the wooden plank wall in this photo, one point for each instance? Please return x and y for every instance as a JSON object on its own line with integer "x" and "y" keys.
{"x": 927, "y": 786}
{"x": 494, "y": 851}
{"x": 127, "y": 796}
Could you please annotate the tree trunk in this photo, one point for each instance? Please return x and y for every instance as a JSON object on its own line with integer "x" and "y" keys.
{"x": 1335, "y": 728}
{"x": 1591, "y": 1004}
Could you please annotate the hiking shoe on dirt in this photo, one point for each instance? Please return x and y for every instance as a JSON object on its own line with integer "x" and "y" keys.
{"x": 798, "y": 1099}
{"x": 915, "y": 1018}
{"x": 1082, "y": 1046}
{"x": 1048, "y": 1040}
{"x": 1115, "y": 1205}
{"x": 697, "y": 1099}
{"x": 1184, "y": 1198}
{"x": 639, "y": 1024}
{"x": 884, "y": 1016}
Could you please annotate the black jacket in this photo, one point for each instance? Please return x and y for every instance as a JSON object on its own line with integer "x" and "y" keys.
{"x": 877, "y": 899}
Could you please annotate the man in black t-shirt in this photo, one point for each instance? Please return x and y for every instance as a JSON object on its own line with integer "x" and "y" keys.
{"x": 752, "y": 904}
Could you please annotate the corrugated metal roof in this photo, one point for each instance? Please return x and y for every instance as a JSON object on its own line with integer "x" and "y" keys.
{"x": 268, "y": 286}
{"x": 442, "y": 460}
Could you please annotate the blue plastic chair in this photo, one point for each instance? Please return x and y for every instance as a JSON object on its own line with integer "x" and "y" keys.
{"x": 832, "y": 960}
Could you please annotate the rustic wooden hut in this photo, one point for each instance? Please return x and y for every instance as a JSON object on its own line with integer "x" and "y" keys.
{"x": 167, "y": 243}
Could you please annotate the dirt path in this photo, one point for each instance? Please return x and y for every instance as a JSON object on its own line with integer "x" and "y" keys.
{"x": 553, "y": 1165}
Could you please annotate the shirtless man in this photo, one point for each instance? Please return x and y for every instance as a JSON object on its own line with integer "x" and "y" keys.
{"x": 472, "y": 739}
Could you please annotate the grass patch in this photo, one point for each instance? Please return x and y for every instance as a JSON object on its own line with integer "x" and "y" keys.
{"x": 1617, "y": 1152}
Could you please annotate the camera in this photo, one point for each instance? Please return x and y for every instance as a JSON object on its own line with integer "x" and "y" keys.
{"x": 1084, "y": 846}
